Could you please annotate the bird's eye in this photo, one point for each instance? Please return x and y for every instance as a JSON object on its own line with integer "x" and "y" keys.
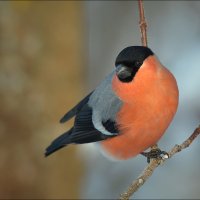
{"x": 138, "y": 63}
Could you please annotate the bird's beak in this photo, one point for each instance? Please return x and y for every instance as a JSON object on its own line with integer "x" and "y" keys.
{"x": 123, "y": 72}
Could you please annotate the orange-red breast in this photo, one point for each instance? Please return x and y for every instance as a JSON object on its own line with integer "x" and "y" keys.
{"x": 129, "y": 111}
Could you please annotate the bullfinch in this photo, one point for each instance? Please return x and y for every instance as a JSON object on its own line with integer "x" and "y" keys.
{"x": 129, "y": 111}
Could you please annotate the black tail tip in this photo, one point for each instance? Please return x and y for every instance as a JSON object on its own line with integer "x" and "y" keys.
{"x": 60, "y": 142}
{"x": 62, "y": 120}
{"x": 51, "y": 149}
{"x": 47, "y": 153}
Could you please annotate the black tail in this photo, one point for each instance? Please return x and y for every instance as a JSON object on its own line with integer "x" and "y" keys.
{"x": 59, "y": 143}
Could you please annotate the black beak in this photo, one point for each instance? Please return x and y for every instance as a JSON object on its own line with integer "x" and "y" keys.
{"x": 124, "y": 73}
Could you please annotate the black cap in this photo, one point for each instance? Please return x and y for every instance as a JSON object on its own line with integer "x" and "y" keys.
{"x": 130, "y": 55}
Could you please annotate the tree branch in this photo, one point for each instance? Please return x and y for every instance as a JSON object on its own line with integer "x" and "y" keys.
{"x": 154, "y": 163}
{"x": 143, "y": 24}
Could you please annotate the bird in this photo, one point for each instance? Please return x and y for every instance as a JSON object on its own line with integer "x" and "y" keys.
{"x": 129, "y": 111}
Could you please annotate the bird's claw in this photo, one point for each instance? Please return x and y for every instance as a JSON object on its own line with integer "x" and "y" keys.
{"x": 155, "y": 153}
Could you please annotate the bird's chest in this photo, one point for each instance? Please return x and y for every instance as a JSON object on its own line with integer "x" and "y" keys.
{"x": 140, "y": 127}
{"x": 147, "y": 117}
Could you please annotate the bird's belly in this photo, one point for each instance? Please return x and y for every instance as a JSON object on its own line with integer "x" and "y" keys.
{"x": 138, "y": 131}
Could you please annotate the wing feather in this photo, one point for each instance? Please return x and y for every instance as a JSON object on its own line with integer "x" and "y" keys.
{"x": 84, "y": 130}
{"x": 71, "y": 113}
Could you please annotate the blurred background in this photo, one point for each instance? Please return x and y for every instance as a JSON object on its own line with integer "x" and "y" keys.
{"x": 52, "y": 53}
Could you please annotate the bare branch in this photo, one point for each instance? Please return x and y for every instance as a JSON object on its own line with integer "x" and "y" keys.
{"x": 143, "y": 24}
{"x": 154, "y": 163}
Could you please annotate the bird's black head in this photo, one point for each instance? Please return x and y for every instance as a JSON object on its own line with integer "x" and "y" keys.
{"x": 130, "y": 60}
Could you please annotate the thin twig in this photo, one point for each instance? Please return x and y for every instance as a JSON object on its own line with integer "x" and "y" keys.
{"x": 143, "y": 24}
{"x": 154, "y": 163}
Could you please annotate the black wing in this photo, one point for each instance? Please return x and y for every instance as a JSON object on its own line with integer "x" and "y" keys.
{"x": 75, "y": 109}
{"x": 83, "y": 131}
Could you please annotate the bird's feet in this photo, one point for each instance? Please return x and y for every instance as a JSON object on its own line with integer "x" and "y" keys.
{"x": 155, "y": 153}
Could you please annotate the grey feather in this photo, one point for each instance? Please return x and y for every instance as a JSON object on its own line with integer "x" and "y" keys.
{"x": 105, "y": 104}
